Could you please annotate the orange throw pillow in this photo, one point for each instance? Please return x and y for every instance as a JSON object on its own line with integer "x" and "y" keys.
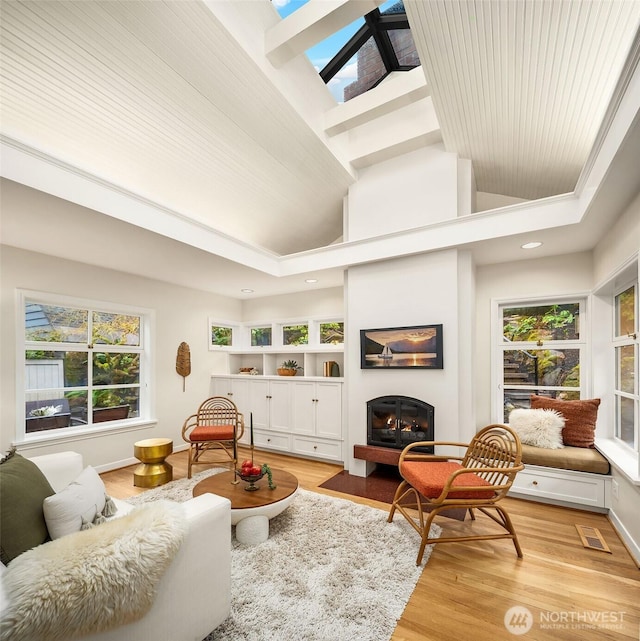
{"x": 580, "y": 418}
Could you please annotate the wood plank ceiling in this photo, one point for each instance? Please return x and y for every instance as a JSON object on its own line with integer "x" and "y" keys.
{"x": 160, "y": 99}
{"x": 521, "y": 86}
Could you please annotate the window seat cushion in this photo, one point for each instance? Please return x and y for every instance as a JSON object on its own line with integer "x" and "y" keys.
{"x": 581, "y": 459}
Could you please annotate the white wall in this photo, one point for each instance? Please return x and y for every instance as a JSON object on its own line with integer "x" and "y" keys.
{"x": 181, "y": 314}
{"x": 485, "y": 201}
{"x": 618, "y": 248}
{"x": 550, "y": 276}
{"x": 314, "y": 303}
{"x": 417, "y": 290}
{"x": 416, "y": 189}
{"x": 621, "y": 242}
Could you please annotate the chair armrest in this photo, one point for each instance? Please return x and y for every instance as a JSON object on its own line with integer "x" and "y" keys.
{"x": 60, "y": 469}
{"x": 188, "y": 425}
{"x": 422, "y": 456}
{"x": 198, "y": 581}
{"x": 194, "y": 595}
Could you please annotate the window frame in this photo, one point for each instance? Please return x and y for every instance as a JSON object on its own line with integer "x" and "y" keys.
{"x": 499, "y": 346}
{"x": 144, "y": 385}
{"x": 235, "y": 334}
{"x": 624, "y": 341}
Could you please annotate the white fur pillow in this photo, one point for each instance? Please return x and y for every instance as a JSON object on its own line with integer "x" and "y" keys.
{"x": 540, "y": 428}
{"x": 79, "y": 502}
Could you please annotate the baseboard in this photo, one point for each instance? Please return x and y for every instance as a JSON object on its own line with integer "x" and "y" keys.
{"x": 116, "y": 465}
{"x": 632, "y": 547}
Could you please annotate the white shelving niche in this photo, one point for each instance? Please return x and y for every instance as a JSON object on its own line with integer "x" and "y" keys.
{"x": 301, "y": 414}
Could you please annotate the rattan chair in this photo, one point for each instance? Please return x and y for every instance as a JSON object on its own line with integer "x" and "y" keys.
{"x": 217, "y": 427}
{"x": 479, "y": 479}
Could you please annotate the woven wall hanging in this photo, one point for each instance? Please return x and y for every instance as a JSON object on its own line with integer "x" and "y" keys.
{"x": 183, "y": 362}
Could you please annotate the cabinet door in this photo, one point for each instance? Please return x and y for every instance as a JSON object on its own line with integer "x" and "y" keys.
{"x": 279, "y": 414}
{"x": 240, "y": 394}
{"x": 258, "y": 404}
{"x": 303, "y": 407}
{"x": 221, "y": 386}
{"x": 329, "y": 410}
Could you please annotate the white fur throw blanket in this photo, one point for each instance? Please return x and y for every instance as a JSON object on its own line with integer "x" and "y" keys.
{"x": 92, "y": 580}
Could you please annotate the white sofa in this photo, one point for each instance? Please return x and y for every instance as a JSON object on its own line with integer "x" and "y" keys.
{"x": 193, "y": 596}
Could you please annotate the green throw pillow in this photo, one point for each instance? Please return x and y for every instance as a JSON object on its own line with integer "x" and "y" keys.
{"x": 23, "y": 488}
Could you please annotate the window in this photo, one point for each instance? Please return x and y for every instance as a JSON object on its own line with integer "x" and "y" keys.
{"x": 221, "y": 336}
{"x": 360, "y": 55}
{"x": 83, "y": 364}
{"x": 295, "y": 334}
{"x": 332, "y": 333}
{"x": 261, "y": 336}
{"x": 625, "y": 348}
{"x": 540, "y": 351}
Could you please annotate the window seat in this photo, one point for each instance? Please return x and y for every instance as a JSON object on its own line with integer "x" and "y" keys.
{"x": 576, "y": 477}
{"x": 580, "y": 459}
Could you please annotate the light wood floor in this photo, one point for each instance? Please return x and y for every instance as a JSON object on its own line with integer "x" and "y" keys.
{"x": 466, "y": 589}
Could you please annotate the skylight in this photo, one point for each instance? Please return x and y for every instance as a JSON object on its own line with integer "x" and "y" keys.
{"x": 359, "y": 56}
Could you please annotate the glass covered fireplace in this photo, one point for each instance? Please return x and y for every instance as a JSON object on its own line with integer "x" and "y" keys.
{"x": 396, "y": 421}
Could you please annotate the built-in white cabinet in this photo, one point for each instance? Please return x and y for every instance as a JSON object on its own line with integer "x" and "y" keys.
{"x": 290, "y": 414}
{"x": 565, "y": 487}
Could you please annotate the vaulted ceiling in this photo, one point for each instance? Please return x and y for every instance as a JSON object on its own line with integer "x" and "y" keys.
{"x": 208, "y": 115}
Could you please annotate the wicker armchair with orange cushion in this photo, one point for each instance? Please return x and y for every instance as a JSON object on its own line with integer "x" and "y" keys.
{"x": 217, "y": 427}
{"x": 479, "y": 479}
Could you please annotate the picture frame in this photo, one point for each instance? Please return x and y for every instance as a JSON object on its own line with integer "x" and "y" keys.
{"x": 415, "y": 347}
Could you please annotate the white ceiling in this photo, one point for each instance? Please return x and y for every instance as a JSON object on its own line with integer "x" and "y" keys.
{"x": 521, "y": 86}
{"x": 174, "y": 105}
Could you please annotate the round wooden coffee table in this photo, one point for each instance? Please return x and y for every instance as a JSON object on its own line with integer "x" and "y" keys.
{"x": 251, "y": 511}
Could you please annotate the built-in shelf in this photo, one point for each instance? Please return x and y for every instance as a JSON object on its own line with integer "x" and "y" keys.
{"x": 267, "y": 362}
{"x": 266, "y": 359}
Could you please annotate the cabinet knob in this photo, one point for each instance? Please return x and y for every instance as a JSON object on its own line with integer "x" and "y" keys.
{"x": 229, "y": 393}
{"x": 315, "y": 447}
{"x": 268, "y": 440}
{"x": 534, "y": 483}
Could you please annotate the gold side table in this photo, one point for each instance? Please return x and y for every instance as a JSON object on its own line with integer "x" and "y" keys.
{"x": 153, "y": 469}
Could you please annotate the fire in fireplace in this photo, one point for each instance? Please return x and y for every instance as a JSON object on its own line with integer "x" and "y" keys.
{"x": 396, "y": 421}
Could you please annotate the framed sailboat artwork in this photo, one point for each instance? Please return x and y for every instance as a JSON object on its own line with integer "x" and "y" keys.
{"x": 401, "y": 347}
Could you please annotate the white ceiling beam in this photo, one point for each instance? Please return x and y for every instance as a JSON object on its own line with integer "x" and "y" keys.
{"x": 37, "y": 170}
{"x": 549, "y": 213}
{"x": 400, "y": 89}
{"x": 401, "y": 131}
{"x": 311, "y": 24}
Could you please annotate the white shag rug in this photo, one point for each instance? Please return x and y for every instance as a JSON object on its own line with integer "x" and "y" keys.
{"x": 331, "y": 570}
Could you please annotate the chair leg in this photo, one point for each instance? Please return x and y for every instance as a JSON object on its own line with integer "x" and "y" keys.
{"x": 397, "y": 495}
{"x": 189, "y": 463}
{"x": 508, "y": 525}
{"x": 425, "y": 535}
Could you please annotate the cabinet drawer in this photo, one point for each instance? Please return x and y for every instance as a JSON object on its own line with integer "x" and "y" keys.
{"x": 562, "y": 485}
{"x": 271, "y": 440}
{"x": 318, "y": 447}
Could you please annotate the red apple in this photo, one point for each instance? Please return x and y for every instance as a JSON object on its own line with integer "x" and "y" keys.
{"x": 256, "y": 471}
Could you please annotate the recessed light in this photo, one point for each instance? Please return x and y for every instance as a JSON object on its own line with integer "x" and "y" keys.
{"x": 311, "y": 280}
{"x": 247, "y": 291}
{"x": 531, "y": 245}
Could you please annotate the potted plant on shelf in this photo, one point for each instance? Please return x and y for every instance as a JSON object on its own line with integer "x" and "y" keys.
{"x": 288, "y": 368}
